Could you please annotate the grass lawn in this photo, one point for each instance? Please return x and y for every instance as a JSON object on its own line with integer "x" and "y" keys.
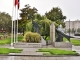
{"x": 20, "y": 38}
{"x": 7, "y": 50}
{"x": 57, "y": 52}
{"x": 75, "y": 42}
{"x": 5, "y": 41}
{"x": 8, "y": 40}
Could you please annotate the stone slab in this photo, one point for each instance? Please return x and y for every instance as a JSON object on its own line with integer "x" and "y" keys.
{"x": 43, "y": 41}
{"x": 27, "y": 45}
{"x": 62, "y": 44}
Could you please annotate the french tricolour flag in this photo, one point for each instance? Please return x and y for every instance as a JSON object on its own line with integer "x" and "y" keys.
{"x": 17, "y": 2}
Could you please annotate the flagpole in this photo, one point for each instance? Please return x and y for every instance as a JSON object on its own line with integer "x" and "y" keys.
{"x": 12, "y": 26}
{"x": 12, "y": 35}
{"x": 17, "y": 26}
{"x": 17, "y": 20}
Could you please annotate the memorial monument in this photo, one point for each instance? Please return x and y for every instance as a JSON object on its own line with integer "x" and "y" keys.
{"x": 57, "y": 41}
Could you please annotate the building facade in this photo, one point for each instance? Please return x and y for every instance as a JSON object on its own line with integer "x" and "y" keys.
{"x": 72, "y": 25}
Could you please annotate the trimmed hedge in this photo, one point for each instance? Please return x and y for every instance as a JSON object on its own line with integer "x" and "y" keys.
{"x": 31, "y": 37}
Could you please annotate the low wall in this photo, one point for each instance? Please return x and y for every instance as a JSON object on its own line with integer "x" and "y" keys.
{"x": 62, "y": 44}
{"x": 27, "y": 45}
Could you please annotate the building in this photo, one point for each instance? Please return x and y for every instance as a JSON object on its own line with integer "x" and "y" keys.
{"x": 73, "y": 25}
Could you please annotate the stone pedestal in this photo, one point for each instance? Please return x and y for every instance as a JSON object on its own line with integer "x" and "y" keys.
{"x": 52, "y": 33}
{"x": 62, "y": 45}
{"x": 43, "y": 42}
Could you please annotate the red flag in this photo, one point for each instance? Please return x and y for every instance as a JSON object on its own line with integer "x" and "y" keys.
{"x": 16, "y": 2}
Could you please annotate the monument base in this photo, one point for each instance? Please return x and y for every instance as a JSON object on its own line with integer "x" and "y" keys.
{"x": 27, "y": 45}
{"x": 62, "y": 44}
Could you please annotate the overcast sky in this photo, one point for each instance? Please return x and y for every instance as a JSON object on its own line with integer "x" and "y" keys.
{"x": 70, "y": 8}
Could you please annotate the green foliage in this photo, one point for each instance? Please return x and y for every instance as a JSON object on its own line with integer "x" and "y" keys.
{"x": 78, "y": 30}
{"x": 58, "y": 52}
{"x": 48, "y": 38}
{"x": 69, "y": 30}
{"x": 55, "y": 15}
{"x": 7, "y": 50}
{"x": 31, "y": 37}
{"x": 26, "y": 14}
{"x": 38, "y": 16}
{"x": 20, "y": 38}
{"x": 29, "y": 26}
{"x": 45, "y": 27}
{"x": 5, "y": 21}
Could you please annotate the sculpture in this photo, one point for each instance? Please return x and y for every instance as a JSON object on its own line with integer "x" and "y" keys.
{"x": 36, "y": 27}
{"x": 60, "y": 34}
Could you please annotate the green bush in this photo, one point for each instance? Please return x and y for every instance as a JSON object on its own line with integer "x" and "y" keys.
{"x": 31, "y": 37}
{"x": 1, "y": 36}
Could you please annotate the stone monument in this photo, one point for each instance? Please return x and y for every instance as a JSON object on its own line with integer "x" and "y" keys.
{"x": 60, "y": 33}
{"x": 52, "y": 34}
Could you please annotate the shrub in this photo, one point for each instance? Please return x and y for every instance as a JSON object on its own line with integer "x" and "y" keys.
{"x": 1, "y": 36}
{"x": 31, "y": 37}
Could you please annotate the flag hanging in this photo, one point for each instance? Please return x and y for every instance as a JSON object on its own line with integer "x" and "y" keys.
{"x": 18, "y": 4}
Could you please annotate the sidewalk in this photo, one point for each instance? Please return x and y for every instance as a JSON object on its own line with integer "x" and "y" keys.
{"x": 32, "y": 51}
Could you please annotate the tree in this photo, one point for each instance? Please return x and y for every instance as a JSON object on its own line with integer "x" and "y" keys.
{"x": 69, "y": 31}
{"x": 38, "y": 16}
{"x": 55, "y": 14}
{"x": 5, "y": 21}
{"x": 45, "y": 27}
{"x": 78, "y": 30}
{"x": 73, "y": 31}
{"x": 27, "y": 14}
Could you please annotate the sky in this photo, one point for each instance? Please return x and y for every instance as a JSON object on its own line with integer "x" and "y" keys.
{"x": 70, "y": 8}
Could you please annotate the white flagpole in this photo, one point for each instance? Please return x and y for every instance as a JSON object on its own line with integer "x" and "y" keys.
{"x": 12, "y": 26}
{"x": 17, "y": 27}
{"x": 17, "y": 22}
{"x": 12, "y": 35}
